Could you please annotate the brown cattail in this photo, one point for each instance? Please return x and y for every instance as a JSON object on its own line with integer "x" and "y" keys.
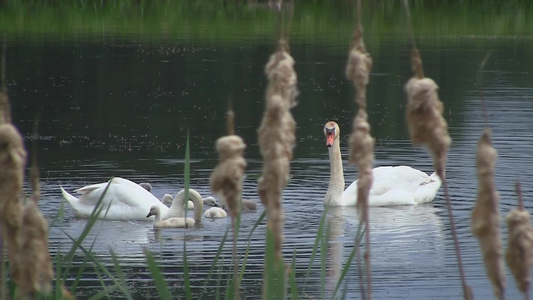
{"x": 12, "y": 162}
{"x": 519, "y": 255}
{"x": 276, "y": 139}
{"x": 485, "y": 223}
{"x": 427, "y": 126}
{"x": 361, "y": 143}
{"x": 226, "y": 179}
{"x": 425, "y": 122}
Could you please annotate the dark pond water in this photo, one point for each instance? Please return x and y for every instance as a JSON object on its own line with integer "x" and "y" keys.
{"x": 115, "y": 106}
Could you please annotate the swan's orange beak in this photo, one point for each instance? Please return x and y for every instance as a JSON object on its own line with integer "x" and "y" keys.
{"x": 330, "y": 136}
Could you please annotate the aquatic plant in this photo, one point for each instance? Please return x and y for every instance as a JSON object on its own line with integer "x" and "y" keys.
{"x": 23, "y": 227}
{"x": 519, "y": 254}
{"x": 427, "y": 127}
{"x": 276, "y": 136}
{"x": 226, "y": 183}
{"x": 485, "y": 222}
{"x": 361, "y": 143}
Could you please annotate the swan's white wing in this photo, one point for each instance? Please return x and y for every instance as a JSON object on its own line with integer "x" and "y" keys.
{"x": 89, "y": 188}
{"x": 394, "y": 185}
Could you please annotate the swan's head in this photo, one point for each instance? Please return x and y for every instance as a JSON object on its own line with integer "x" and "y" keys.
{"x": 332, "y": 132}
{"x": 210, "y": 201}
{"x": 154, "y": 211}
{"x": 167, "y": 199}
{"x": 146, "y": 185}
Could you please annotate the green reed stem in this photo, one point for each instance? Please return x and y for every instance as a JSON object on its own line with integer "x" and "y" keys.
{"x": 187, "y": 175}
{"x": 159, "y": 280}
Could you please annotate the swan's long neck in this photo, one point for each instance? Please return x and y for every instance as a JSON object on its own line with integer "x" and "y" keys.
{"x": 336, "y": 180}
{"x": 177, "y": 208}
{"x": 198, "y": 204}
{"x": 157, "y": 217}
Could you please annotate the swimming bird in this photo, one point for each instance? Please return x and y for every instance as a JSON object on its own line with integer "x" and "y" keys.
{"x": 215, "y": 213}
{"x": 392, "y": 185}
{"x": 208, "y": 201}
{"x": 168, "y": 223}
{"x": 146, "y": 185}
{"x": 126, "y": 200}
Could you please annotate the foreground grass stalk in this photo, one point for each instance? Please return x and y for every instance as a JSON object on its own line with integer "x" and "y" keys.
{"x": 485, "y": 221}
{"x": 276, "y": 141}
{"x": 361, "y": 143}
{"x": 226, "y": 183}
{"x": 519, "y": 254}
{"x": 427, "y": 127}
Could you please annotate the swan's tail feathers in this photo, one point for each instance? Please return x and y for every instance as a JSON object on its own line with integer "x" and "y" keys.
{"x": 434, "y": 177}
{"x": 71, "y": 199}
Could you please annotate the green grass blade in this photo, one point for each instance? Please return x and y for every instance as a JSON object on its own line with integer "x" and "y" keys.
{"x": 187, "y": 175}
{"x": 90, "y": 223}
{"x": 230, "y": 290}
{"x": 249, "y": 240}
{"x": 186, "y": 279}
{"x": 274, "y": 276}
{"x": 292, "y": 279}
{"x": 121, "y": 277}
{"x": 319, "y": 234}
{"x": 323, "y": 257}
{"x": 81, "y": 270}
{"x": 159, "y": 279}
{"x": 105, "y": 292}
{"x": 215, "y": 261}
{"x": 359, "y": 237}
{"x": 96, "y": 262}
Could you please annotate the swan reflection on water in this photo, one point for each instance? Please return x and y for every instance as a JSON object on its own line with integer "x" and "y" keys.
{"x": 405, "y": 240}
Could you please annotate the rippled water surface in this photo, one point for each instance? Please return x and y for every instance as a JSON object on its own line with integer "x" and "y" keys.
{"x": 125, "y": 109}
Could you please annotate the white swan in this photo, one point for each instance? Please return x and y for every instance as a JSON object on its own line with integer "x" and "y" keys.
{"x": 215, "y": 213}
{"x": 127, "y": 201}
{"x": 399, "y": 185}
{"x": 178, "y": 204}
{"x": 168, "y": 223}
{"x": 208, "y": 201}
{"x": 246, "y": 205}
{"x": 167, "y": 199}
{"x": 146, "y": 185}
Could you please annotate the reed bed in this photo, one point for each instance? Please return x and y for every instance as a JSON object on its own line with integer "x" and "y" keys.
{"x": 38, "y": 276}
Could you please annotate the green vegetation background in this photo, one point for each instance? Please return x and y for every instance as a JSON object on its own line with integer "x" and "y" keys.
{"x": 225, "y": 21}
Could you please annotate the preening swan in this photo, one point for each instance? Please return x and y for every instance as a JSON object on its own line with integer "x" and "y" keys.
{"x": 127, "y": 201}
{"x": 393, "y": 185}
{"x": 215, "y": 213}
{"x": 178, "y": 204}
{"x": 168, "y": 223}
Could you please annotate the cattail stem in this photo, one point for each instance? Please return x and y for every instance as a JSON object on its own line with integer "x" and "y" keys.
{"x": 519, "y": 195}
{"x": 235, "y": 261}
{"x": 360, "y": 271}
{"x": 415, "y": 55}
{"x": 3, "y": 279}
{"x": 367, "y": 254}
{"x": 230, "y": 121}
{"x": 466, "y": 288}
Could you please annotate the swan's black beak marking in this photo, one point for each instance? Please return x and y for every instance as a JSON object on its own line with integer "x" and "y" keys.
{"x": 216, "y": 205}
{"x": 149, "y": 215}
{"x": 330, "y": 136}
